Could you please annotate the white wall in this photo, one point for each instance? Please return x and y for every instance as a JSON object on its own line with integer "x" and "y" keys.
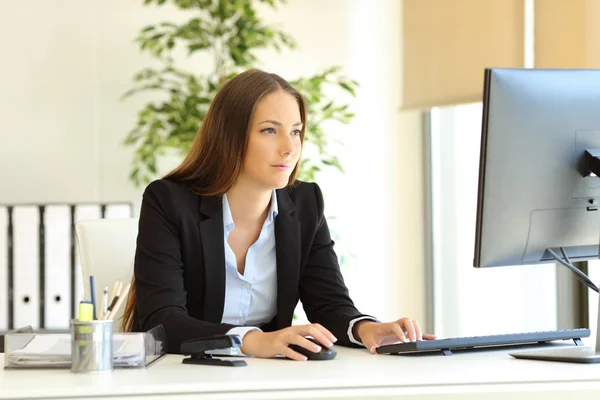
{"x": 66, "y": 63}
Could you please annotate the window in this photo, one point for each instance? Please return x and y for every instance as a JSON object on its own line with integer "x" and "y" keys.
{"x": 470, "y": 301}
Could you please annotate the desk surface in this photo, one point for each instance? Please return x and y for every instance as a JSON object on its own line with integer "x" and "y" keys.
{"x": 354, "y": 374}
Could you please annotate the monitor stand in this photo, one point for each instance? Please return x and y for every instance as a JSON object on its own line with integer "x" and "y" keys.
{"x": 586, "y": 355}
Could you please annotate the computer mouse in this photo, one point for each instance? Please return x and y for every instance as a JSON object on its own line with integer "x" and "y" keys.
{"x": 324, "y": 354}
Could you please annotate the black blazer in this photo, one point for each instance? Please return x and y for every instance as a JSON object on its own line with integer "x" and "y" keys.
{"x": 180, "y": 264}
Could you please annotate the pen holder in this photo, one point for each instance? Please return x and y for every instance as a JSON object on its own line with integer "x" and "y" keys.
{"x": 91, "y": 346}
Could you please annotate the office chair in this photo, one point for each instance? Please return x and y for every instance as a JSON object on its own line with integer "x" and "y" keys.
{"x": 107, "y": 250}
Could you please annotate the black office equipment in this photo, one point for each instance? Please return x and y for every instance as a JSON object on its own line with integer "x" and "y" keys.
{"x": 445, "y": 346}
{"x": 324, "y": 354}
{"x": 197, "y": 349}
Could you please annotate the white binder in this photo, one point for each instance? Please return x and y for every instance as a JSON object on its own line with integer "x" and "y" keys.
{"x": 83, "y": 212}
{"x": 118, "y": 211}
{"x": 57, "y": 304}
{"x": 26, "y": 266}
{"x": 3, "y": 269}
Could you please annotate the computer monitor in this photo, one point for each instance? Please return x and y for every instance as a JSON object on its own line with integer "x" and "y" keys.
{"x": 538, "y": 193}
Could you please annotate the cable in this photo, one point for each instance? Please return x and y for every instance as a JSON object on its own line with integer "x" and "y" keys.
{"x": 580, "y": 275}
{"x": 564, "y": 253}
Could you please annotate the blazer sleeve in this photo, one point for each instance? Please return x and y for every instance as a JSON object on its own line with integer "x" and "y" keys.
{"x": 322, "y": 290}
{"x": 158, "y": 269}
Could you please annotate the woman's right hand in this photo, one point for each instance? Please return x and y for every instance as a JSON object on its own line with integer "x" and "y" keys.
{"x": 271, "y": 344}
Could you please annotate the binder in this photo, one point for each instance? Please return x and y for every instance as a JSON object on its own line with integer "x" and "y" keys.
{"x": 4, "y": 269}
{"x": 118, "y": 211}
{"x": 83, "y": 212}
{"x": 57, "y": 294}
{"x": 26, "y": 266}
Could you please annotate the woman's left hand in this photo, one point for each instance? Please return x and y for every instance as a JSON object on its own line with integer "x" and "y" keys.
{"x": 374, "y": 334}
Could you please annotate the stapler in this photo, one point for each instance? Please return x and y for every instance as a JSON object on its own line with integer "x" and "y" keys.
{"x": 197, "y": 348}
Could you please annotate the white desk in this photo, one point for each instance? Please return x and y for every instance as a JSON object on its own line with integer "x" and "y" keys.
{"x": 354, "y": 374}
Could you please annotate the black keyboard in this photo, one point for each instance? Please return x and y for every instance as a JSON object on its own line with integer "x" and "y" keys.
{"x": 511, "y": 339}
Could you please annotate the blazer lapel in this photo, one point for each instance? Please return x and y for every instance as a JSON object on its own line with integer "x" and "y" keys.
{"x": 211, "y": 233}
{"x": 287, "y": 247}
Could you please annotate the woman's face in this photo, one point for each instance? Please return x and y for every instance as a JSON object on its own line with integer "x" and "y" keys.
{"x": 274, "y": 144}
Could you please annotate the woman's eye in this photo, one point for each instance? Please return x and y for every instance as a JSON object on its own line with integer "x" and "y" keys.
{"x": 297, "y": 132}
{"x": 268, "y": 130}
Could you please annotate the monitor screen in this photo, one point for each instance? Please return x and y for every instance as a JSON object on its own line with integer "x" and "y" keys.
{"x": 535, "y": 191}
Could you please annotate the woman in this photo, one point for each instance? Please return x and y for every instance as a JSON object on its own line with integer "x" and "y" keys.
{"x": 229, "y": 241}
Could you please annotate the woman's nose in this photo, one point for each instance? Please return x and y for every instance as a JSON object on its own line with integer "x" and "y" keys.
{"x": 288, "y": 145}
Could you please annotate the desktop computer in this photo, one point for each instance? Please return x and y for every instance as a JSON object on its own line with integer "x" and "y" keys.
{"x": 539, "y": 188}
{"x": 539, "y": 176}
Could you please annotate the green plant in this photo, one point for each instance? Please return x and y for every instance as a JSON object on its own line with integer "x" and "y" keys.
{"x": 231, "y": 32}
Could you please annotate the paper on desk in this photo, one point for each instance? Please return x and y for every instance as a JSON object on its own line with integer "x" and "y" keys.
{"x": 55, "y": 350}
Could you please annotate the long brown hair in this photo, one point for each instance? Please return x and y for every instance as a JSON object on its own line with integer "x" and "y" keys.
{"x": 215, "y": 159}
